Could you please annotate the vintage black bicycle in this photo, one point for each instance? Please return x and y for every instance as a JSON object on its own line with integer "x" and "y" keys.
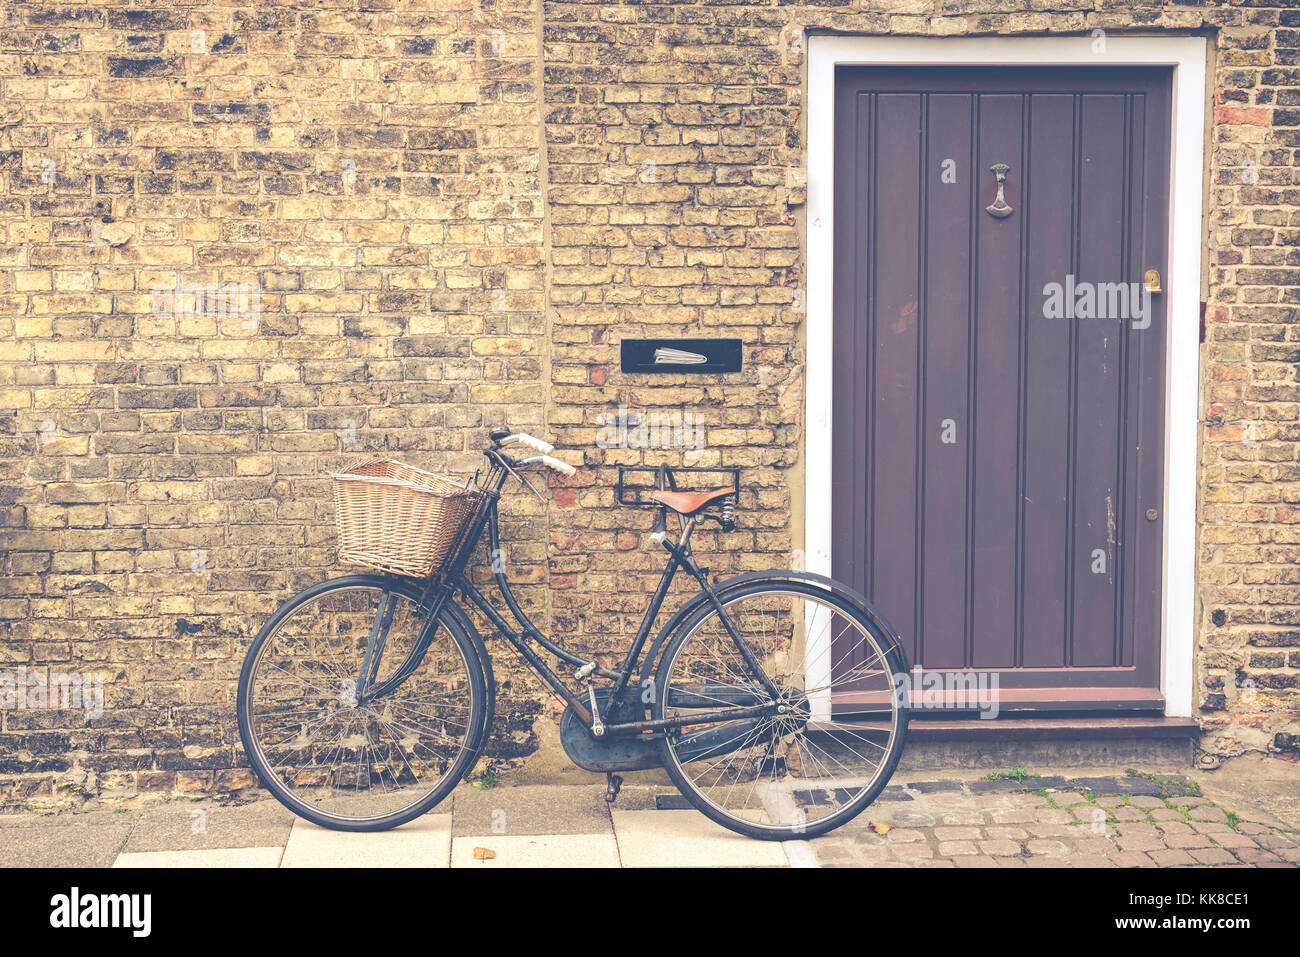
{"x": 772, "y": 699}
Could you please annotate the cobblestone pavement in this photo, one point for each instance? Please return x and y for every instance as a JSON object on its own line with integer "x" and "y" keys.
{"x": 1054, "y": 822}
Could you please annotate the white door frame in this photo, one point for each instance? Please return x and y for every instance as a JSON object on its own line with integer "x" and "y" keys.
{"x": 1187, "y": 56}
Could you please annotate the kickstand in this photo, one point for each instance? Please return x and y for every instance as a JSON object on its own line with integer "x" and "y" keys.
{"x": 612, "y": 784}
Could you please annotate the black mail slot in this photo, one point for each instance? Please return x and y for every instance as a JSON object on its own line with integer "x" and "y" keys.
{"x": 680, "y": 355}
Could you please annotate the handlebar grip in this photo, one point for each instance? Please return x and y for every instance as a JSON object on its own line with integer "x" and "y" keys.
{"x": 531, "y": 441}
{"x": 562, "y": 467}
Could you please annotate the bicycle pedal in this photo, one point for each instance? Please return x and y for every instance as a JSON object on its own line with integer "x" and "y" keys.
{"x": 613, "y": 783}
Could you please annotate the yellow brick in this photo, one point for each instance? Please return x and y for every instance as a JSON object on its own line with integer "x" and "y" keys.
{"x": 506, "y": 347}
{"x": 80, "y": 280}
{"x": 65, "y": 304}
{"x": 65, "y": 374}
{"x": 92, "y": 351}
{"x": 33, "y": 327}
{"x": 32, "y": 280}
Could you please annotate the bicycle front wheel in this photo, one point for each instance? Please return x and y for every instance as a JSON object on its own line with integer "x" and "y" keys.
{"x": 341, "y": 760}
{"x": 823, "y": 746}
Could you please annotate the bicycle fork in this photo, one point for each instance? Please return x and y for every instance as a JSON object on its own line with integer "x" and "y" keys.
{"x": 375, "y": 645}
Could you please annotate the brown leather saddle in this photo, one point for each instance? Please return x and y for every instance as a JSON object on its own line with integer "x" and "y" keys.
{"x": 688, "y": 503}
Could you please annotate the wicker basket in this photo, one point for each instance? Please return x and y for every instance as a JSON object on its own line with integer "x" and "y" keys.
{"x": 397, "y": 517}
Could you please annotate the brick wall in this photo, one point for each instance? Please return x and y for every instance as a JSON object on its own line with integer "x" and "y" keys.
{"x": 671, "y": 131}
{"x": 376, "y": 175}
{"x": 451, "y": 218}
{"x": 674, "y": 153}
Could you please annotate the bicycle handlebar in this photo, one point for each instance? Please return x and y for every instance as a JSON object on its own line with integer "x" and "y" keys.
{"x": 563, "y": 468}
{"x": 501, "y": 438}
{"x": 531, "y": 441}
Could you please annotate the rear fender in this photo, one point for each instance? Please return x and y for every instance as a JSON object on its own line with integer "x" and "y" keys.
{"x": 728, "y": 584}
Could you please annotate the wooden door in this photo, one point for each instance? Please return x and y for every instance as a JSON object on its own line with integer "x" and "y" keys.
{"x": 998, "y": 441}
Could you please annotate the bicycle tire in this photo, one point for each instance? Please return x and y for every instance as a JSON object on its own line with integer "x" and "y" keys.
{"x": 891, "y": 651}
{"x": 470, "y": 647}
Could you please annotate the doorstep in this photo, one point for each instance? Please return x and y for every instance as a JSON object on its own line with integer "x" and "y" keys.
{"x": 1152, "y": 741}
{"x": 1083, "y": 728}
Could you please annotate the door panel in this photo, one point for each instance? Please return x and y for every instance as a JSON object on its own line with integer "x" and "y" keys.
{"x": 994, "y": 430}
{"x": 992, "y": 465}
{"x": 949, "y": 219}
{"x": 1045, "y": 514}
{"x": 1091, "y": 594}
{"x": 893, "y": 325}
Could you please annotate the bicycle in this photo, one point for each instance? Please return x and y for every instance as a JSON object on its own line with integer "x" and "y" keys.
{"x": 774, "y": 707}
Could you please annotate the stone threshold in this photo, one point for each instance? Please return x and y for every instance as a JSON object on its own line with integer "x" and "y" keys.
{"x": 1016, "y": 727}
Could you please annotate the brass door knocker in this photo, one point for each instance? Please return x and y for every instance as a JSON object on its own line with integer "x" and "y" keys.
{"x": 1000, "y": 207}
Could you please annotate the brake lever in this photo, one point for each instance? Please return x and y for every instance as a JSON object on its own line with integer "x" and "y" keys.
{"x": 527, "y": 483}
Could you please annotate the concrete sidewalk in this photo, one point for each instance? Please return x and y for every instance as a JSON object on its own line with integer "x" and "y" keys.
{"x": 959, "y": 821}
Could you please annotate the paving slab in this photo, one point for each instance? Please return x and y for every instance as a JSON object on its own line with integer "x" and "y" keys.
{"x": 197, "y": 826}
{"x": 65, "y": 818}
{"x": 538, "y": 850}
{"x": 530, "y": 809}
{"x": 1146, "y": 800}
{"x": 68, "y": 845}
{"x": 934, "y": 787}
{"x": 646, "y": 798}
{"x": 1097, "y": 785}
{"x": 672, "y": 802}
{"x": 208, "y": 857}
{"x": 894, "y": 792}
{"x": 1130, "y": 785}
{"x": 1257, "y": 788}
{"x": 688, "y": 839}
{"x": 903, "y": 817}
{"x": 1045, "y": 783}
{"x": 962, "y": 816}
{"x": 424, "y": 842}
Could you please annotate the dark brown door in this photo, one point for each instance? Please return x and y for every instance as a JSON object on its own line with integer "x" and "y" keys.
{"x": 998, "y": 441}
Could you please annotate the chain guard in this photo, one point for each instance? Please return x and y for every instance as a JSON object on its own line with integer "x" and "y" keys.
{"x": 611, "y": 752}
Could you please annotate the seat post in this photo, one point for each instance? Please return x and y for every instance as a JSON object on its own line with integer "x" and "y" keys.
{"x": 684, "y": 541}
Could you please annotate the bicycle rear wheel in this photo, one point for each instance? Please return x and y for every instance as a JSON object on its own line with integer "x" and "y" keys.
{"x": 350, "y": 763}
{"x": 810, "y": 767}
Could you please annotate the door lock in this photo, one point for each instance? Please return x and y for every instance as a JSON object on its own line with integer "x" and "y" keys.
{"x": 1152, "y": 281}
{"x": 1152, "y": 515}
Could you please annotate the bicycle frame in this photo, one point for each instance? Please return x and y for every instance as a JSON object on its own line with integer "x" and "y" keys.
{"x": 442, "y": 587}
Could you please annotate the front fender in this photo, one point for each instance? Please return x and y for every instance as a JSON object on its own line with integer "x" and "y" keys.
{"x": 485, "y": 663}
